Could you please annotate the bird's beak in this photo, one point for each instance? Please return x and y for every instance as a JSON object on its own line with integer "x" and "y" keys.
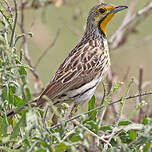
{"x": 117, "y": 9}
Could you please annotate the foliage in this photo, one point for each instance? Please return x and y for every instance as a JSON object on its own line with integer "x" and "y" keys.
{"x": 31, "y": 130}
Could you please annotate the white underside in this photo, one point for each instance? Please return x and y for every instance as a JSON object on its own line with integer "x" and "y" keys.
{"x": 80, "y": 98}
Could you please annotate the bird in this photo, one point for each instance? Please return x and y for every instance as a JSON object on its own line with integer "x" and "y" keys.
{"x": 81, "y": 72}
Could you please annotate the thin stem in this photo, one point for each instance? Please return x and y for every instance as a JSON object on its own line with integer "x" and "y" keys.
{"x": 5, "y": 33}
{"x": 38, "y": 82}
{"x": 14, "y": 26}
{"x": 122, "y": 102}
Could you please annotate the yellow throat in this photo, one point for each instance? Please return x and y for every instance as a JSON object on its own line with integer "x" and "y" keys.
{"x": 105, "y": 22}
{"x": 108, "y": 18}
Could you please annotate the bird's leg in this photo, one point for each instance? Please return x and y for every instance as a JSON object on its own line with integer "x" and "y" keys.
{"x": 54, "y": 120}
{"x": 73, "y": 110}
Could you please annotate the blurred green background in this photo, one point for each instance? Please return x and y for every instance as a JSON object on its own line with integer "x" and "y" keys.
{"x": 70, "y": 19}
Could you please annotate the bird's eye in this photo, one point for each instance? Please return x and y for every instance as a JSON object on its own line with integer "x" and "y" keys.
{"x": 101, "y": 10}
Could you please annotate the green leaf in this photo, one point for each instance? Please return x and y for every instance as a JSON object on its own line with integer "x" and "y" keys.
{"x": 22, "y": 71}
{"x": 41, "y": 150}
{"x": 145, "y": 121}
{"x": 10, "y": 97}
{"x": 146, "y": 147}
{"x": 30, "y": 34}
{"x": 41, "y": 112}
{"x": 23, "y": 74}
{"x": 0, "y": 63}
{"x": 61, "y": 147}
{"x": 4, "y": 93}
{"x": 124, "y": 123}
{"x": 43, "y": 143}
{"x": 132, "y": 134}
{"x": 4, "y": 126}
{"x": 112, "y": 92}
{"x": 27, "y": 94}
{"x": 26, "y": 143}
{"x": 91, "y": 105}
{"x": 124, "y": 136}
{"x": 75, "y": 138}
{"x": 17, "y": 61}
{"x": 106, "y": 128}
{"x": 13, "y": 88}
{"x": 92, "y": 125}
{"x": 19, "y": 124}
{"x": 18, "y": 101}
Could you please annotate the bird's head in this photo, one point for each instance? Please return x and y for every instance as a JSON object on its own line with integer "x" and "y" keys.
{"x": 101, "y": 14}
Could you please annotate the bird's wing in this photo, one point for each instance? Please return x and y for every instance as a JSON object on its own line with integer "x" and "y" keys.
{"x": 81, "y": 66}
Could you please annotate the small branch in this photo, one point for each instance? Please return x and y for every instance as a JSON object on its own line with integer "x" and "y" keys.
{"x": 111, "y": 79}
{"x": 26, "y": 52}
{"x": 104, "y": 93}
{"x": 100, "y": 107}
{"x": 14, "y": 26}
{"x": 48, "y": 48}
{"x": 120, "y": 36}
{"x": 9, "y": 8}
{"x": 38, "y": 5}
{"x": 140, "y": 82}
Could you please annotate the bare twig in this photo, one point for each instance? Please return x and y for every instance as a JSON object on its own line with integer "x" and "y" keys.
{"x": 140, "y": 82}
{"x": 104, "y": 93}
{"x": 26, "y": 52}
{"x": 47, "y": 49}
{"x": 140, "y": 91}
{"x": 120, "y": 36}
{"x": 74, "y": 30}
{"x": 111, "y": 79}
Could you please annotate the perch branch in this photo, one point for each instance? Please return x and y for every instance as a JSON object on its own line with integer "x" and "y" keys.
{"x": 100, "y": 107}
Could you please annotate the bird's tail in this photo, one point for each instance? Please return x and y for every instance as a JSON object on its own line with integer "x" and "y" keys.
{"x": 36, "y": 102}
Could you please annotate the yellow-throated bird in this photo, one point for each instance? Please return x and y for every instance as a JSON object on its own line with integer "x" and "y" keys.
{"x": 81, "y": 72}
